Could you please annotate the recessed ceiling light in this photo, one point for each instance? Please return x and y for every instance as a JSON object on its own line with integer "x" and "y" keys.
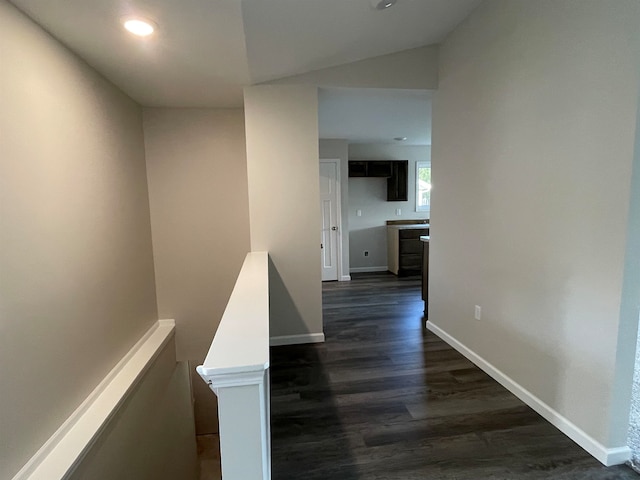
{"x": 384, "y": 4}
{"x": 138, "y": 26}
{"x": 399, "y": 139}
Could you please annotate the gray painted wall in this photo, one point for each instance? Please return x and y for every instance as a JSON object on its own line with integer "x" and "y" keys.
{"x": 629, "y": 308}
{"x": 281, "y": 125}
{"x": 76, "y": 265}
{"x": 197, "y": 171}
{"x": 416, "y": 68}
{"x": 152, "y": 435}
{"x": 369, "y": 232}
{"x": 533, "y": 144}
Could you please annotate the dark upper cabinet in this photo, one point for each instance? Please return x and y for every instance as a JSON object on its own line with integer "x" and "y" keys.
{"x": 380, "y": 169}
{"x": 395, "y": 171}
{"x": 370, "y": 168}
{"x": 358, "y": 169}
{"x": 398, "y": 182}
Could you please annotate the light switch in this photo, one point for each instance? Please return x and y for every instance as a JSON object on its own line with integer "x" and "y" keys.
{"x": 358, "y": 213}
{"x": 398, "y": 211}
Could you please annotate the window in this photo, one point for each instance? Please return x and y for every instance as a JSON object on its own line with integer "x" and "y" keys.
{"x": 423, "y": 186}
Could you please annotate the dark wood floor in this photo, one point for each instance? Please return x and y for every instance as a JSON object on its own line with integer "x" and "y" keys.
{"x": 385, "y": 399}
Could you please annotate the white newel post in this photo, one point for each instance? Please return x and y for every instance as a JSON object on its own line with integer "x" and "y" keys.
{"x": 244, "y": 419}
{"x": 237, "y": 370}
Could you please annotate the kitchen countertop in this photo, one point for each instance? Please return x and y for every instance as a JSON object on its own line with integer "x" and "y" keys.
{"x": 409, "y": 227}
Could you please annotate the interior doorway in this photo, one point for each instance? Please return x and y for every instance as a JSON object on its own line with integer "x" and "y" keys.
{"x": 372, "y": 125}
{"x": 330, "y": 231}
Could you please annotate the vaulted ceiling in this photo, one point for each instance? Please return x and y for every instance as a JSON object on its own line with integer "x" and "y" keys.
{"x": 373, "y": 115}
{"x": 205, "y": 51}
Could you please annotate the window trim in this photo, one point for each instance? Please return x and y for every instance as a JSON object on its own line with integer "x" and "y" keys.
{"x": 420, "y": 208}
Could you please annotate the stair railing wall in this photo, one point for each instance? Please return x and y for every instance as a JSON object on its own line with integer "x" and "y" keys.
{"x": 237, "y": 370}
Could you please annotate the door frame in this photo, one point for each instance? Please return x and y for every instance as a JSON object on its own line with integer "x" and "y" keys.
{"x": 338, "y": 162}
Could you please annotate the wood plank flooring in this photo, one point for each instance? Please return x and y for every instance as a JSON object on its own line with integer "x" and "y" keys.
{"x": 384, "y": 398}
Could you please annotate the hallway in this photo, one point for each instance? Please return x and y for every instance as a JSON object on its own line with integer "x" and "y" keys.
{"x": 385, "y": 399}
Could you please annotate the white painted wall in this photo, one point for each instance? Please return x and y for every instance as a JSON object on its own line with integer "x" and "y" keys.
{"x": 369, "y": 232}
{"x": 533, "y": 141}
{"x": 339, "y": 149}
{"x": 76, "y": 265}
{"x": 281, "y": 125}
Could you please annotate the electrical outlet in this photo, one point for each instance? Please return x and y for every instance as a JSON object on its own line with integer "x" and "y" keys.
{"x": 477, "y": 314}
{"x": 366, "y": 253}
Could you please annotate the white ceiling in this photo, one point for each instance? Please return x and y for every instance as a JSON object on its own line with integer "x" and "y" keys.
{"x": 205, "y": 51}
{"x": 375, "y": 115}
{"x": 286, "y": 37}
{"x": 196, "y": 58}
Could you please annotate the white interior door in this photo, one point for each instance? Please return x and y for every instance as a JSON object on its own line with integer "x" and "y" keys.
{"x": 329, "y": 229}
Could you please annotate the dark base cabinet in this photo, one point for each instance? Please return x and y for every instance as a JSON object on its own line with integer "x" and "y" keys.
{"x": 410, "y": 251}
{"x": 404, "y": 248}
{"x": 425, "y": 277}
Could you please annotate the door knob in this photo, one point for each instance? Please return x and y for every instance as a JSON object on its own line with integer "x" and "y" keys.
{"x": 334, "y": 228}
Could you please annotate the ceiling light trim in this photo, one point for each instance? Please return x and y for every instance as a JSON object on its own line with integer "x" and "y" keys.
{"x": 139, "y": 26}
{"x": 382, "y": 5}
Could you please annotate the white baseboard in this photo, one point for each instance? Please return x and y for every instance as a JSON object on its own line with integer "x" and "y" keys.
{"x": 345, "y": 278}
{"x": 368, "y": 269}
{"x": 296, "y": 339}
{"x": 606, "y": 456}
